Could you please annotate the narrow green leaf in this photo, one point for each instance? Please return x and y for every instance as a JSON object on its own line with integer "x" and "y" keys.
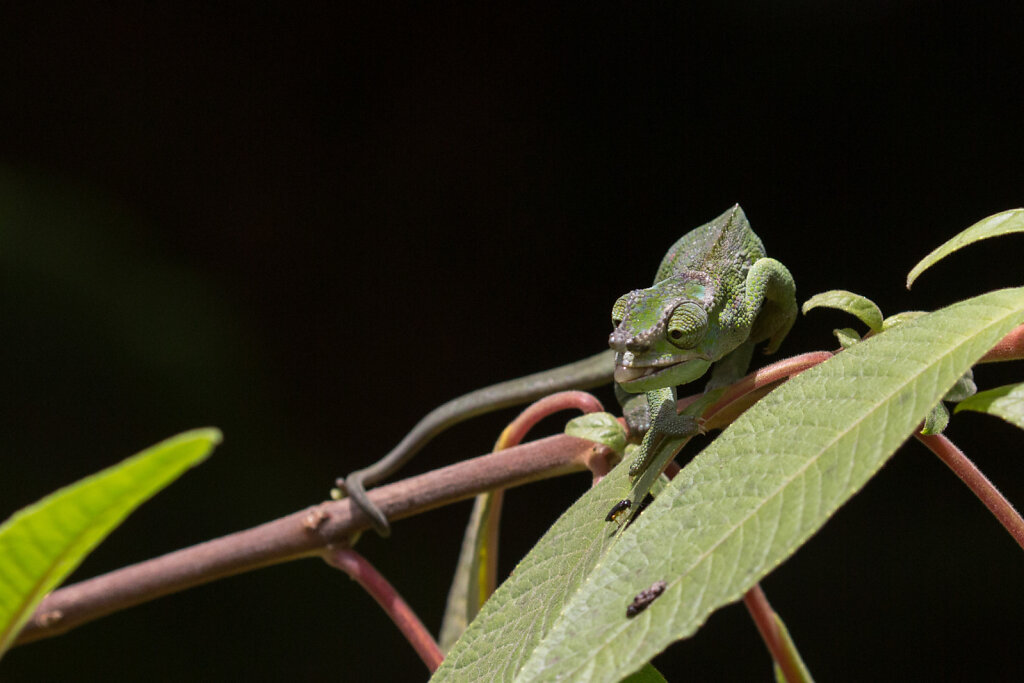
{"x": 738, "y": 510}
{"x": 1000, "y": 224}
{"x": 1006, "y": 402}
{"x": 517, "y": 616}
{"x": 851, "y": 303}
{"x": 466, "y": 594}
{"x": 44, "y": 542}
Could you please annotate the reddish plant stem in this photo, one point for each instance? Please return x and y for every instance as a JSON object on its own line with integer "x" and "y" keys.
{"x": 302, "y": 533}
{"x": 764, "y": 618}
{"x": 306, "y": 532}
{"x": 517, "y": 429}
{"x": 768, "y": 626}
{"x": 1010, "y": 347}
{"x": 780, "y": 370}
{"x": 511, "y": 436}
{"x": 977, "y": 482}
{"x": 364, "y": 573}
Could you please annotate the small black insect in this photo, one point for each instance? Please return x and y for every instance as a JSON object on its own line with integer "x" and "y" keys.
{"x": 617, "y": 509}
{"x": 644, "y": 598}
{"x": 648, "y": 499}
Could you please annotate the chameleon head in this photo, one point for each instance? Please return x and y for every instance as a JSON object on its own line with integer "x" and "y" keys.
{"x": 662, "y": 335}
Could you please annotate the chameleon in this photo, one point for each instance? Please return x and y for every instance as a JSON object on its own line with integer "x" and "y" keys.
{"x": 715, "y": 295}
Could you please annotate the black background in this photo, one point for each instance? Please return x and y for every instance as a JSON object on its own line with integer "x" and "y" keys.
{"x": 307, "y": 226}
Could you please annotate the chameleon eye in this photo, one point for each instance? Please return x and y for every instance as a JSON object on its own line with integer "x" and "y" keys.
{"x": 619, "y": 310}
{"x": 687, "y": 325}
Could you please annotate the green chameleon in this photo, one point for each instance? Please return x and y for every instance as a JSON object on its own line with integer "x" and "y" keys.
{"x": 715, "y": 295}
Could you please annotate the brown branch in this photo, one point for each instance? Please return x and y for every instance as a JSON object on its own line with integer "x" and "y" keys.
{"x": 360, "y": 570}
{"x": 309, "y": 531}
{"x": 303, "y": 533}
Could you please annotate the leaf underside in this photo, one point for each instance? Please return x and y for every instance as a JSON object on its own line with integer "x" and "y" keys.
{"x": 738, "y": 510}
{"x": 44, "y": 542}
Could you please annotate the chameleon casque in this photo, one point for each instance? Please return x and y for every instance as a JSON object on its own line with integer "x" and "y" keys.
{"x": 714, "y": 297}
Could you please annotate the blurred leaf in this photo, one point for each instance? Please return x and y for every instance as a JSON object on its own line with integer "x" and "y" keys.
{"x": 44, "y": 542}
{"x": 937, "y": 420}
{"x": 851, "y": 303}
{"x": 1006, "y": 402}
{"x": 739, "y": 509}
{"x": 1000, "y": 224}
{"x": 468, "y": 590}
{"x": 963, "y": 388}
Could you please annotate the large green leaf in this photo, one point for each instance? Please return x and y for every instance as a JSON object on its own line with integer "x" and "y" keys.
{"x": 44, "y": 542}
{"x": 1002, "y": 223}
{"x": 738, "y": 510}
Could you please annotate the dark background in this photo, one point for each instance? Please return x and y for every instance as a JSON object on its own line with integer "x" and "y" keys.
{"x": 307, "y": 226}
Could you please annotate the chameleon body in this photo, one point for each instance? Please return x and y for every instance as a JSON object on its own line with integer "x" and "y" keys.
{"x": 715, "y": 295}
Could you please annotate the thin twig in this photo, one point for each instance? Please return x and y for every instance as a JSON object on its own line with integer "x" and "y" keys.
{"x": 360, "y": 570}
{"x": 977, "y": 482}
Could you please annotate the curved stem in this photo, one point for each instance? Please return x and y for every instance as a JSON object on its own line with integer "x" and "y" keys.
{"x": 977, "y": 482}
{"x": 361, "y": 571}
{"x": 517, "y": 429}
{"x": 512, "y": 435}
{"x": 780, "y": 370}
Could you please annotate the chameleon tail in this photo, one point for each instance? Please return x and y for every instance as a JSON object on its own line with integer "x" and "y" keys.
{"x": 772, "y": 291}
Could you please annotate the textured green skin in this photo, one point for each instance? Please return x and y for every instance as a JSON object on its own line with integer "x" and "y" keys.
{"x": 733, "y": 294}
{"x": 719, "y": 267}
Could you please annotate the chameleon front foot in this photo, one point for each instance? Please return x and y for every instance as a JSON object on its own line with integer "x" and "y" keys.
{"x": 353, "y": 486}
{"x": 666, "y": 423}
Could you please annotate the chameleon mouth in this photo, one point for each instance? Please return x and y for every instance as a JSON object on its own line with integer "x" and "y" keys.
{"x": 624, "y": 375}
